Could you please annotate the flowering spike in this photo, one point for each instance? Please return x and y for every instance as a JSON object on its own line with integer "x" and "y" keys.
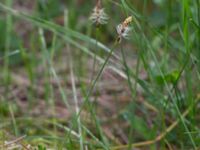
{"x": 123, "y": 29}
{"x": 98, "y": 15}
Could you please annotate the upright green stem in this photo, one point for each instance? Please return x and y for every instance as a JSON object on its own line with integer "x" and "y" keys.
{"x": 86, "y": 100}
{"x": 127, "y": 71}
{"x": 130, "y": 87}
{"x": 95, "y": 53}
{"x": 96, "y": 79}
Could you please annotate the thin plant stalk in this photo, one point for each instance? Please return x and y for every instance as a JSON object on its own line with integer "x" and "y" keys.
{"x": 130, "y": 87}
{"x": 93, "y": 84}
{"x": 86, "y": 99}
{"x": 95, "y": 53}
{"x": 127, "y": 70}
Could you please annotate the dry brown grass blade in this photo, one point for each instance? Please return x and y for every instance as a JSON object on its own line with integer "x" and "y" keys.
{"x": 158, "y": 138}
{"x": 17, "y": 140}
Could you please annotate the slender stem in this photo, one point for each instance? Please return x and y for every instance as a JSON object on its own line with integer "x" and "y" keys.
{"x": 130, "y": 87}
{"x": 96, "y": 79}
{"x": 92, "y": 88}
{"x": 95, "y": 54}
{"x": 127, "y": 71}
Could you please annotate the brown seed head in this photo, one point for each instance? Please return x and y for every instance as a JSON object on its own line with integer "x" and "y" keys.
{"x": 123, "y": 29}
{"x": 127, "y": 21}
{"x": 98, "y": 15}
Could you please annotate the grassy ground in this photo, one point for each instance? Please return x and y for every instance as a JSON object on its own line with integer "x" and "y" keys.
{"x": 66, "y": 84}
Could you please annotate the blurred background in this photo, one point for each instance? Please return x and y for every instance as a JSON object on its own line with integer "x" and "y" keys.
{"x": 61, "y": 87}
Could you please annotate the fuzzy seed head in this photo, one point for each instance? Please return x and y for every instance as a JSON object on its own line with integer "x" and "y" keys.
{"x": 123, "y": 29}
{"x": 98, "y": 15}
